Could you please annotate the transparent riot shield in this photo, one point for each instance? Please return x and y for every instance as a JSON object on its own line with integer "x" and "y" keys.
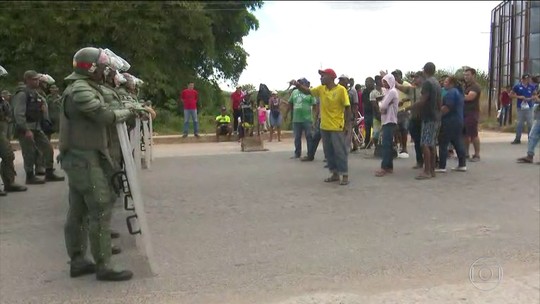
{"x": 151, "y": 127}
{"x": 146, "y": 145}
{"x": 135, "y": 139}
{"x": 133, "y": 200}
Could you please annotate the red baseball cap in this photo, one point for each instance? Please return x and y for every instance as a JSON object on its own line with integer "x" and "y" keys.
{"x": 329, "y": 72}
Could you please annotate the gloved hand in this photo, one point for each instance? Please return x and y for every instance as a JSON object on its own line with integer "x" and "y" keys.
{"x": 123, "y": 115}
{"x": 135, "y": 107}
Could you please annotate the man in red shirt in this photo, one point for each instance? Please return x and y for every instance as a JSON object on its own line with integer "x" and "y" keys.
{"x": 506, "y": 102}
{"x": 236, "y": 98}
{"x": 189, "y": 98}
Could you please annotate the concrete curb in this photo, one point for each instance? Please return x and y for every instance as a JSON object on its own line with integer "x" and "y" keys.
{"x": 177, "y": 139}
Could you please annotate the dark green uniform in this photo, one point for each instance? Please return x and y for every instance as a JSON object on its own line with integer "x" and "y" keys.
{"x": 29, "y": 111}
{"x": 7, "y": 157}
{"x": 86, "y": 127}
{"x": 54, "y": 105}
{"x": 7, "y": 169}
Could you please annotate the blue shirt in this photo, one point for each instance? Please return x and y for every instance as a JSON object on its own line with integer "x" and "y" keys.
{"x": 455, "y": 101}
{"x": 525, "y": 91}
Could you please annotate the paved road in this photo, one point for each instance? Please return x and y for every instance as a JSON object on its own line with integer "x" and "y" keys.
{"x": 233, "y": 227}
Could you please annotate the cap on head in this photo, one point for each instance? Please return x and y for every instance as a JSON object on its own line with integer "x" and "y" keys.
{"x": 274, "y": 92}
{"x": 525, "y": 76}
{"x": 328, "y": 72}
{"x": 343, "y": 76}
{"x": 53, "y": 87}
{"x": 31, "y": 74}
{"x": 304, "y": 81}
{"x": 223, "y": 109}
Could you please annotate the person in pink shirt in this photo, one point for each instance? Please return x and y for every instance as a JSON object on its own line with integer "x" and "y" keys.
{"x": 189, "y": 98}
{"x": 261, "y": 113}
{"x": 389, "y": 110}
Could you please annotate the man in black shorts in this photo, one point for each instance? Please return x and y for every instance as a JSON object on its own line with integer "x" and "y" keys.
{"x": 223, "y": 124}
{"x": 471, "y": 113}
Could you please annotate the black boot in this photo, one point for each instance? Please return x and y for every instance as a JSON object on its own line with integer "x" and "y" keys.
{"x": 50, "y": 176}
{"x": 13, "y": 187}
{"x": 113, "y": 275}
{"x": 81, "y": 267}
{"x": 31, "y": 179}
{"x": 115, "y": 249}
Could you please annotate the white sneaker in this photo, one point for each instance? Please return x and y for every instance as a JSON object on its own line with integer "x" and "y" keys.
{"x": 403, "y": 155}
{"x": 460, "y": 169}
{"x": 439, "y": 170}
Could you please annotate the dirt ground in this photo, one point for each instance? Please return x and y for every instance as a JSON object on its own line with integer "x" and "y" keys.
{"x": 258, "y": 227}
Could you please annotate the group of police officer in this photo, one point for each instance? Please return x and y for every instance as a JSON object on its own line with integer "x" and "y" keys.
{"x": 100, "y": 95}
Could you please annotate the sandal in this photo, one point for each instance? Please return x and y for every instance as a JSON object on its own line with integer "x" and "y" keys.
{"x": 422, "y": 177}
{"x": 331, "y": 179}
{"x": 344, "y": 183}
{"x": 381, "y": 173}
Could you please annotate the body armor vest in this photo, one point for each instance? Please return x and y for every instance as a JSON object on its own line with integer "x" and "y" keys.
{"x": 77, "y": 130}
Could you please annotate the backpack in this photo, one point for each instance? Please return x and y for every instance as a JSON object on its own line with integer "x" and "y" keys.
{"x": 264, "y": 93}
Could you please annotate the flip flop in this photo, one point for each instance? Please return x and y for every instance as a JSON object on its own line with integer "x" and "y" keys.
{"x": 381, "y": 173}
{"x": 331, "y": 179}
{"x": 422, "y": 177}
{"x": 344, "y": 183}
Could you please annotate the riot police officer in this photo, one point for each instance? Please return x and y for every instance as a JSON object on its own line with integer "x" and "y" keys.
{"x": 7, "y": 168}
{"x": 86, "y": 123}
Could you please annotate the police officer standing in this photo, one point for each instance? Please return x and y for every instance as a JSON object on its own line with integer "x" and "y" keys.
{"x": 86, "y": 123}
{"x": 29, "y": 111}
{"x": 54, "y": 104}
{"x": 7, "y": 168}
{"x": 6, "y": 97}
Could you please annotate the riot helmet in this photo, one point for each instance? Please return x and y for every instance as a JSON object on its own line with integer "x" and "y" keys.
{"x": 86, "y": 62}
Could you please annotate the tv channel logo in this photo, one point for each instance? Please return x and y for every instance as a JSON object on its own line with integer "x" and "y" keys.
{"x": 486, "y": 273}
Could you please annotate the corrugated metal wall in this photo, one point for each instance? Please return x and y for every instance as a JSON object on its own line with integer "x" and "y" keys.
{"x": 515, "y": 45}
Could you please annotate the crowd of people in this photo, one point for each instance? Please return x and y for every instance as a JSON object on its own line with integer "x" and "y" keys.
{"x": 439, "y": 113}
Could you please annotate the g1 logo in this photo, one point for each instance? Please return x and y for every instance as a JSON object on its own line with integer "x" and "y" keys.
{"x": 486, "y": 273}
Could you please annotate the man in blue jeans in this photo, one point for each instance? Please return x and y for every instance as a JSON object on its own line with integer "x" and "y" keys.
{"x": 523, "y": 91}
{"x": 389, "y": 111}
{"x": 189, "y": 98}
{"x": 302, "y": 105}
{"x": 316, "y": 136}
{"x": 534, "y": 135}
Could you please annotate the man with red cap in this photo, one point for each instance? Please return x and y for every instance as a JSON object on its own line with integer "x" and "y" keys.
{"x": 335, "y": 123}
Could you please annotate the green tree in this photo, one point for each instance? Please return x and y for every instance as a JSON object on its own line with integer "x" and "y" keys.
{"x": 248, "y": 87}
{"x": 168, "y": 44}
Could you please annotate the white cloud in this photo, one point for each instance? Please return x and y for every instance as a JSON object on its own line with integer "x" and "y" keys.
{"x": 360, "y": 38}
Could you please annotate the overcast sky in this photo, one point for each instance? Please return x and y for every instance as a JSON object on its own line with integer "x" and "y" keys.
{"x": 360, "y": 38}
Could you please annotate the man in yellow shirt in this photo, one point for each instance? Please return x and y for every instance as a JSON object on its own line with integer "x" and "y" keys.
{"x": 223, "y": 124}
{"x": 336, "y": 123}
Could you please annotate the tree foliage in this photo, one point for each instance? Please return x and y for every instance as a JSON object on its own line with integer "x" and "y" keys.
{"x": 167, "y": 43}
